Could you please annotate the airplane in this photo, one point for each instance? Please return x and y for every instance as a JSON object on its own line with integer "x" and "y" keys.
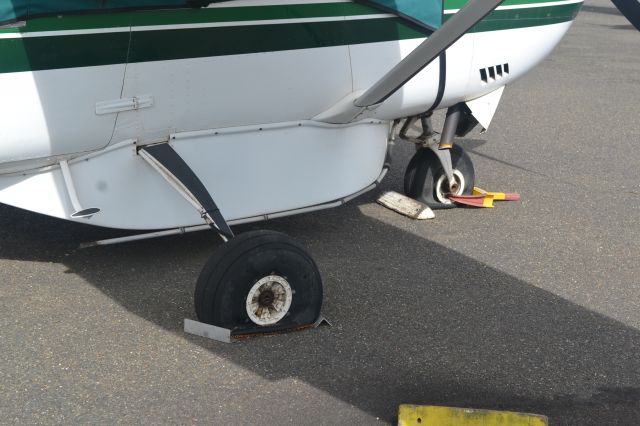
{"x": 179, "y": 115}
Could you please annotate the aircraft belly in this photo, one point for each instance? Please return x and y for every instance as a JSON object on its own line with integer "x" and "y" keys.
{"x": 249, "y": 172}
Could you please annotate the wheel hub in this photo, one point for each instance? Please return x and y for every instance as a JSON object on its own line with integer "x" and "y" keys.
{"x": 269, "y": 300}
{"x": 266, "y": 298}
{"x": 443, "y": 189}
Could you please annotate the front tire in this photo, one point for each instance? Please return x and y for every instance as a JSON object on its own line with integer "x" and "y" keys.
{"x": 425, "y": 180}
{"x": 260, "y": 281}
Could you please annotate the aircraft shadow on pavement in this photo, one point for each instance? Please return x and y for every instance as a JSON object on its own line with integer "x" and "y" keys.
{"x": 413, "y": 321}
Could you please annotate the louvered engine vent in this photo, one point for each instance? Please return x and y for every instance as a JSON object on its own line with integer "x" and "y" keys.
{"x": 491, "y": 74}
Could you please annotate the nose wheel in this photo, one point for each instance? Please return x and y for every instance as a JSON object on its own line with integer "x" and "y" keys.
{"x": 259, "y": 282}
{"x": 425, "y": 179}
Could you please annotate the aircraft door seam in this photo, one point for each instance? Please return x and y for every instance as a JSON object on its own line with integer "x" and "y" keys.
{"x": 124, "y": 79}
{"x": 351, "y": 67}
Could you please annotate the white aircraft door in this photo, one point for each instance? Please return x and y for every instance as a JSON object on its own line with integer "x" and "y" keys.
{"x": 215, "y": 67}
{"x": 61, "y": 84}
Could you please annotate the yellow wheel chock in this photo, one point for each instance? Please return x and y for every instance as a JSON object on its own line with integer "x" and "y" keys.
{"x": 482, "y": 198}
{"x": 427, "y": 415}
{"x": 497, "y": 196}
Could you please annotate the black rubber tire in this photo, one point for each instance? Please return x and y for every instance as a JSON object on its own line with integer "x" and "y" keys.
{"x": 425, "y": 169}
{"x": 227, "y": 278}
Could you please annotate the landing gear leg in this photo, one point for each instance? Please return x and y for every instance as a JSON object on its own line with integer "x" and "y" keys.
{"x": 256, "y": 283}
{"x": 440, "y": 168}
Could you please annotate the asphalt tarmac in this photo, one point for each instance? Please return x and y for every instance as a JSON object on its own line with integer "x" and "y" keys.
{"x": 531, "y": 306}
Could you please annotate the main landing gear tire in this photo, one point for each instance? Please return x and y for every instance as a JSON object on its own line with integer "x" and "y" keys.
{"x": 425, "y": 180}
{"x": 260, "y": 281}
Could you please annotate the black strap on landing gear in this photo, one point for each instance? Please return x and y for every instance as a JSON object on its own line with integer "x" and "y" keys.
{"x": 173, "y": 165}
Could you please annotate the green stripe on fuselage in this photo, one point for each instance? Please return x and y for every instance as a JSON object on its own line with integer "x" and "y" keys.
{"x": 205, "y": 42}
{"x": 43, "y": 53}
{"x": 47, "y": 53}
{"x": 526, "y": 17}
{"x": 53, "y": 51}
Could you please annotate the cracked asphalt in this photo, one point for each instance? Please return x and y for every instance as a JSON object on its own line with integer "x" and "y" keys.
{"x": 531, "y": 306}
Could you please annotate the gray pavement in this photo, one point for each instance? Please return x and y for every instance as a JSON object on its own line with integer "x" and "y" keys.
{"x": 531, "y": 306}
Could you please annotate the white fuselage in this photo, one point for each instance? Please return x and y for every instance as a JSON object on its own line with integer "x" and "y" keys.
{"x": 244, "y": 122}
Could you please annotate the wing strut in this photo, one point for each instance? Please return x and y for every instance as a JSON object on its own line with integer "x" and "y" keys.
{"x": 168, "y": 163}
{"x": 630, "y": 9}
{"x": 348, "y": 110}
{"x": 423, "y": 55}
